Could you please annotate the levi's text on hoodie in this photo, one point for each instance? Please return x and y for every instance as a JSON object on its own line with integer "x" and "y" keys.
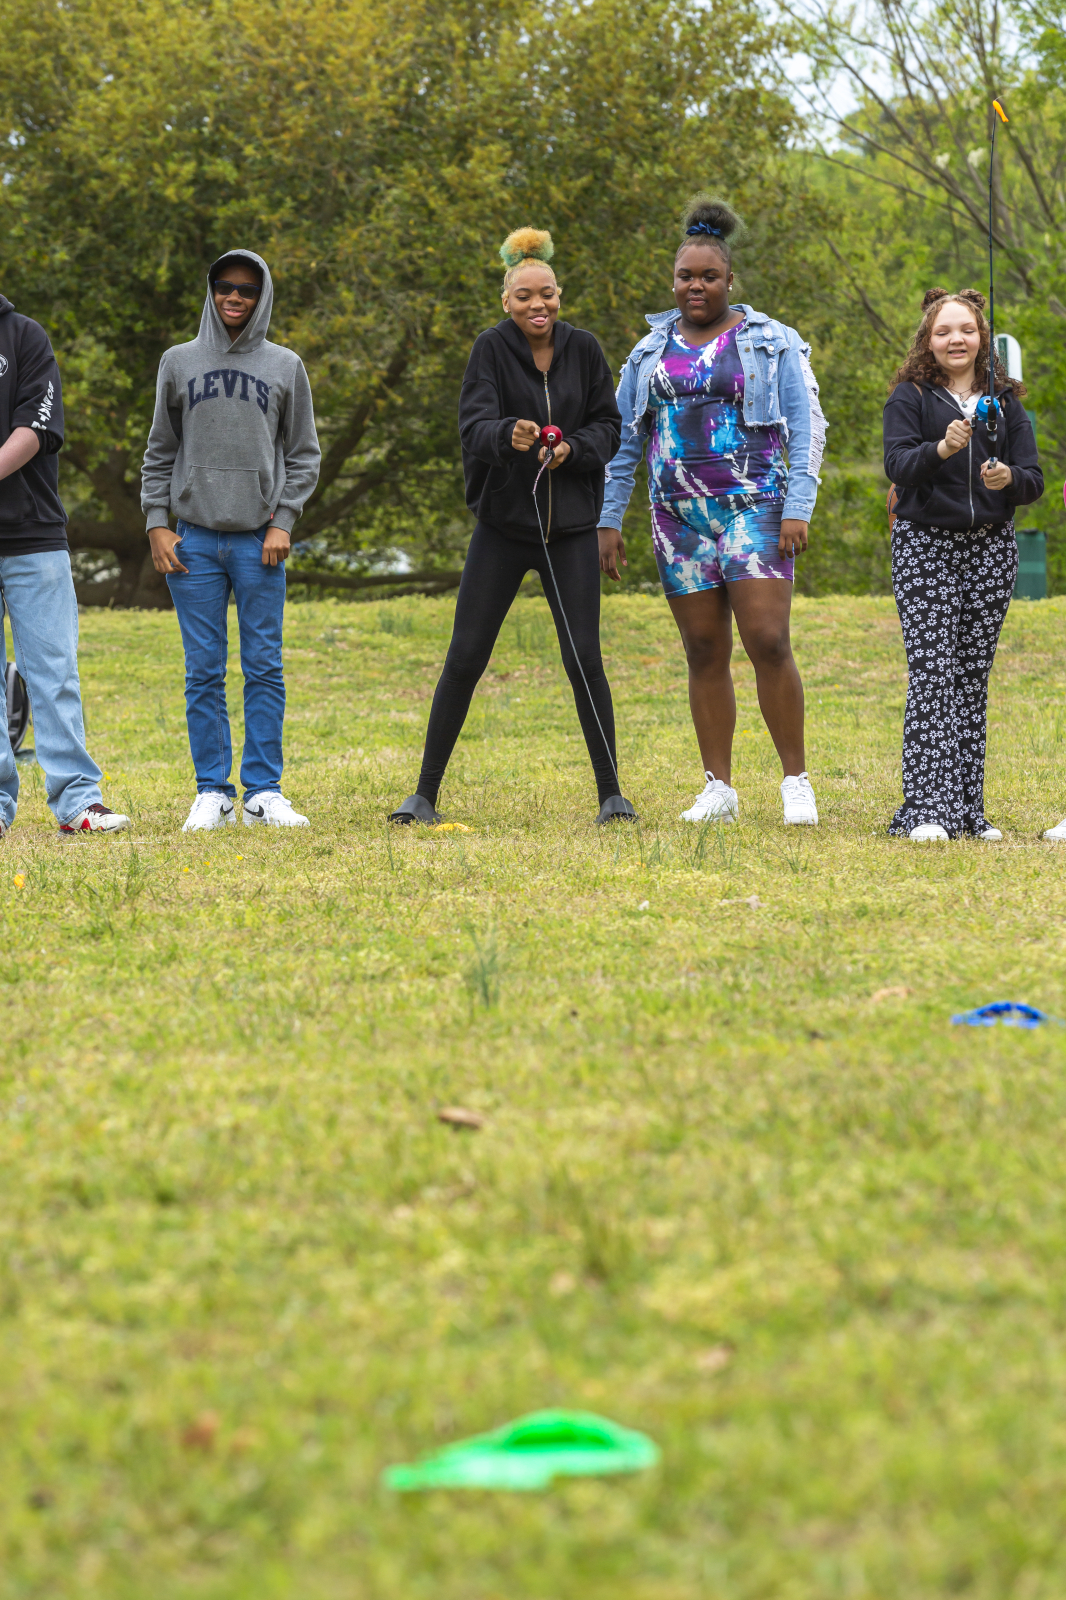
{"x": 233, "y": 442}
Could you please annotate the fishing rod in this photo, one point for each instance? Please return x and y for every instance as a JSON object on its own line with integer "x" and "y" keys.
{"x": 551, "y": 437}
{"x": 988, "y": 407}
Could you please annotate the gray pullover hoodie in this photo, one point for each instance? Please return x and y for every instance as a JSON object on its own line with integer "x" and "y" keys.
{"x": 233, "y": 442}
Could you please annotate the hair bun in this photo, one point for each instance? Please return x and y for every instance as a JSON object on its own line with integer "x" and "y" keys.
{"x": 706, "y": 215}
{"x": 973, "y": 297}
{"x": 931, "y": 296}
{"x": 526, "y": 244}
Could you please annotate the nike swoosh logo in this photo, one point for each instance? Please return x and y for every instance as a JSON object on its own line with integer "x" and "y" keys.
{"x": 258, "y": 812}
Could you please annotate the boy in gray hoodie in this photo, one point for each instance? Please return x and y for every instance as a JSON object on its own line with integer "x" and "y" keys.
{"x": 233, "y": 455}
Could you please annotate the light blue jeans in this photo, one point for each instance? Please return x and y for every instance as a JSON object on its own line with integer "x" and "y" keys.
{"x": 38, "y": 592}
{"x": 219, "y": 563}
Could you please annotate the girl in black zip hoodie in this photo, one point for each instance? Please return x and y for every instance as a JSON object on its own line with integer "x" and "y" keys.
{"x": 529, "y": 370}
{"x": 954, "y": 555}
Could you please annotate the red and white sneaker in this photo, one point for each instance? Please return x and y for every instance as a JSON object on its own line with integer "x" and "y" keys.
{"x": 94, "y": 819}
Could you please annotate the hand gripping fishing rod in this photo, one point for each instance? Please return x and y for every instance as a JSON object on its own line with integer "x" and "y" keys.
{"x": 551, "y": 438}
{"x": 988, "y": 409}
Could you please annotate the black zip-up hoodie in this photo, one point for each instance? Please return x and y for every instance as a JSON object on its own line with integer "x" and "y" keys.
{"x": 502, "y": 385}
{"x": 952, "y": 493}
{"x": 31, "y": 513}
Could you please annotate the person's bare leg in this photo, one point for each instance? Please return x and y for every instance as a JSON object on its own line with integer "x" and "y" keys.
{"x": 761, "y": 607}
{"x": 705, "y": 624}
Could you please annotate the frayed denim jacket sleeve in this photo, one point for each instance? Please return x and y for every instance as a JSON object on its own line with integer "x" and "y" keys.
{"x": 622, "y": 468}
{"x": 797, "y": 390}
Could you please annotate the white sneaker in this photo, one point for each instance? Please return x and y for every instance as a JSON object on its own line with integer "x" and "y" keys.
{"x": 990, "y": 835}
{"x": 717, "y": 803}
{"x": 272, "y": 808}
{"x": 212, "y": 809}
{"x": 798, "y": 797}
{"x": 1058, "y": 832}
{"x": 926, "y": 831}
{"x": 94, "y": 819}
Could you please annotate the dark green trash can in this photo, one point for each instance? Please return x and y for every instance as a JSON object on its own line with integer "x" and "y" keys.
{"x": 1032, "y": 565}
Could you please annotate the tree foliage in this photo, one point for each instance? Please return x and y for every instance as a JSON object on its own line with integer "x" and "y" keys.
{"x": 375, "y": 155}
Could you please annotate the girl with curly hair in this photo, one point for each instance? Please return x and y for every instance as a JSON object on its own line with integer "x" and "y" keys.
{"x": 529, "y": 370}
{"x": 954, "y": 555}
{"x": 727, "y": 403}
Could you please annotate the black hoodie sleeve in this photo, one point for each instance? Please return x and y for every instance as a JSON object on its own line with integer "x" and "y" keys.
{"x": 1027, "y": 480}
{"x": 596, "y": 442}
{"x": 483, "y": 432}
{"x": 39, "y": 397}
{"x": 911, "y": 461}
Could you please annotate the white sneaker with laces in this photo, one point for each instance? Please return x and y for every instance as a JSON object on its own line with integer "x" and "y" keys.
{"x": 211, "y": 809}
{"x": 925, "y": 832}
{"x": 1058, "y": 832}
{"x": 717, "y": 803}
{"x": 273, "y": 809}
{"x": 799, "y": 802}
{"x": 96, "y": 818}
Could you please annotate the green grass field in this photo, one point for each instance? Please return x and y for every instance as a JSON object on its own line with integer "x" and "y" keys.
{"x": 740, "y": 1183}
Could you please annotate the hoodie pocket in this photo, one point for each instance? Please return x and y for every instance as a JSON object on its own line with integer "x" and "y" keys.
{"x": 230, "y": 499}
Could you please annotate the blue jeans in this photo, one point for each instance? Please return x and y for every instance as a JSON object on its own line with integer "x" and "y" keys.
{"x": 219, "y": 563}
{"x": 38, "y": 592}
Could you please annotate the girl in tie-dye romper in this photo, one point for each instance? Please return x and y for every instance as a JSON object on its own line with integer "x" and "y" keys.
{"x": 720, "y": 392}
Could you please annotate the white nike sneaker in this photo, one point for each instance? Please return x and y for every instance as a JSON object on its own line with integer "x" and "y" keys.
{"x": 717, "y": 803}
{"x": 1058, "y": 832}
{"x": 272, "y": 808}
{"x": 211, "y": 809}
{"x": 800, "y": 806}
{"x": 925, "y": 832}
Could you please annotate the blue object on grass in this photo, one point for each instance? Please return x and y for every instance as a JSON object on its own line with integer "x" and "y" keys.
{"x": 1012, "y": 1013}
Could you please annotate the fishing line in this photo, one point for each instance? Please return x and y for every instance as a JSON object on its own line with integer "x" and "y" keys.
{"x": 988, "y": 407}
{"x": 551, "y": 437}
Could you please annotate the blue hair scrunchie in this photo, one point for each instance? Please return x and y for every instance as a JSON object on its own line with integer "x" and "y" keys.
{"x": 704, "y": 227}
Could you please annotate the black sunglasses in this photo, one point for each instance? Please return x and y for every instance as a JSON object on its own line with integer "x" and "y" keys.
{"x": 247, "y": 291}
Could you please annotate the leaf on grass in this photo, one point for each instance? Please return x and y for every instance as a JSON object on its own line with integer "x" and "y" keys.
{"x": 562, "y": 1283}
{"x": 19, "y": 880}
{"x": 751, "y": 900}
{"x": 714, "y": 1359}
{"x": 896, "y": 991}
{"x": 451, "y": 827}
{"x": 645, "y": 905}
{"x": 200, "y": 1435}
{"x": 460, "y": 1117}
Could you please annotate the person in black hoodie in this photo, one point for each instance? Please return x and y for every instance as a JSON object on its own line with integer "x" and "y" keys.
{"x": 36, "y": 587}
{"x": 527, "y": 371}
{"x": 954, "y": 555}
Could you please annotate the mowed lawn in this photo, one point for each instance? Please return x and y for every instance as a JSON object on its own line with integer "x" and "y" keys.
{"x": 740, "y": 1183}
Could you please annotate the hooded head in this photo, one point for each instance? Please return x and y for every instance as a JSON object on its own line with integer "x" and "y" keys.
{"x": 212, "y": 329}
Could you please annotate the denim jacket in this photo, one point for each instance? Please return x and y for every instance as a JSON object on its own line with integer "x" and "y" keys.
{"x": 780, "y": 390}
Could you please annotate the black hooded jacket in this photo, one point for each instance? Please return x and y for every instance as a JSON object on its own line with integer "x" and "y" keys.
{"x": 31, "y": 513}
{"x": 952, "y": 493}
{"x": 502, "y": 385}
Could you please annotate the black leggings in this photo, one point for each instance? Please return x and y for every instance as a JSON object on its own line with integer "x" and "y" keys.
{"x": 494, "y": 569}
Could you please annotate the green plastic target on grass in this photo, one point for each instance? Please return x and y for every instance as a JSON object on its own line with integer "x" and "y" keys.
{"x": 528, "y": 1453}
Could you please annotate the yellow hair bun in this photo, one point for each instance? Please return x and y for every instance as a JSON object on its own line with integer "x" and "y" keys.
{"x": 526, "y": 244}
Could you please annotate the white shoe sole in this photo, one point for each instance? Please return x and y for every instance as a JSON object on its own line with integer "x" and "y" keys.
{"x": 693, "y": 815}
{"x": 802, "y": 822}
{"x": 226, "y": 819}
{"x": 274, "y": 822}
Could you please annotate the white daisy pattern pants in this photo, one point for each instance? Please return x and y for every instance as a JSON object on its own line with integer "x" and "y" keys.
{"x": 952, "y": 591}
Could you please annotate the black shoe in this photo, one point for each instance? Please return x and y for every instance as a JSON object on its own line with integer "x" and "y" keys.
{"x": 415, "y": 809}
{"x": 616, "y": 809}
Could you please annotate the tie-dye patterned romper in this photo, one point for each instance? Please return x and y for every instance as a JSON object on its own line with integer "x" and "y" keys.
{"x": 717, "y": 486}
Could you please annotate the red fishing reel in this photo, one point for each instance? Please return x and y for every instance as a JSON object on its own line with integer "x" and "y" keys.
{"x": 551, "y": 436}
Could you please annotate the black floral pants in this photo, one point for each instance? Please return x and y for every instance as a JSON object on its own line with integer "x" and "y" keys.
{"x": 952, "y": 592}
